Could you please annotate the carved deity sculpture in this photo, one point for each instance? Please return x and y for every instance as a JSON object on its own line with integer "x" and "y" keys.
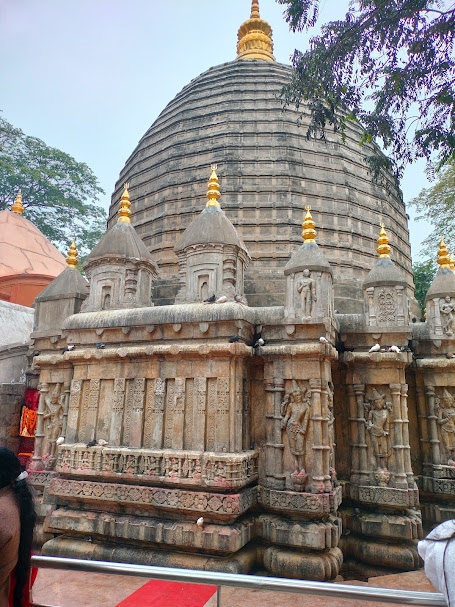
{"x": 306, "y": 288}
{"x": 446, "y": 421}
{"x": 447, "y": 320}
{"x": 377, "y": 424}
{"x": 53, "y": 419}
{"x": 295, "y": 410}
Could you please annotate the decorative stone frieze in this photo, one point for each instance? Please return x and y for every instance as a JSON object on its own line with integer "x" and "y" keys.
{"x": 219, "y": 471}
{"x": 212, "y": 505}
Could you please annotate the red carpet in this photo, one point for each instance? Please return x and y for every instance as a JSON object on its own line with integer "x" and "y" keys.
{"x": 169, "y": 594}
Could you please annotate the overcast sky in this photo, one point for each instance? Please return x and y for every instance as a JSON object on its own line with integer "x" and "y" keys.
{"x": 90, "y": 76}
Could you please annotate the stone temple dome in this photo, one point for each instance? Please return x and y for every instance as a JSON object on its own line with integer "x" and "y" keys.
{"x": 232, "y": 115}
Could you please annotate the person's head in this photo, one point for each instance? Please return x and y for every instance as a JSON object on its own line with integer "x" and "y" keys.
{"x": 10, "y": 467}
{"x": 11, "y": 476}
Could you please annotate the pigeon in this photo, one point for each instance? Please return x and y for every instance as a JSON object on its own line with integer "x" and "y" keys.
{"x": 260, "y": 342}
{"x": 100, "y": 345}
{"x": 449, "y": 355}
{"x": 200, "y": 521}
{"x": 68, "y": 348}
{"x": 60, "y": 440}
{"x": 92, "y": 443}
{"x": 323, "y": 340}
{"x": 102, "y": 442}
{"x": 211, "y": 299}
{"x": 222, "y": 299}
{"x": 234, "y": 338}
{"x": 239, "y": 299}
{"x": 394, "y": 349}
{"x": 375, "y": 348}
{"x": 36, "y": 353}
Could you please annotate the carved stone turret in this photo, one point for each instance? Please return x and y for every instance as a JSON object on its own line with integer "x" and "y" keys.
{"x": 120, "y": 268}
{"x": 62, "y": 298}
{"x": 212, "y": 256}
{"x": 385, "y": 290}
{"x": 309, "y": 285}
{"x": 440, "y": 299}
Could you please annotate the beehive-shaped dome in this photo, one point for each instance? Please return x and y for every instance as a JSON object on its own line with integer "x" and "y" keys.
{"x": 232, "y": 115}
{"x": 28, "y": 260}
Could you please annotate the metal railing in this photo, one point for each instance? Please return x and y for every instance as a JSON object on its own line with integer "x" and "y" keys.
{"x": 251, "y": 582}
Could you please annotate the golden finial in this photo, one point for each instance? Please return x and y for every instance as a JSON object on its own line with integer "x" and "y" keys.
{"x": 17, "y": 206}
{"x": 124, "y": 212}
{"x": 308, "y": 232}
{"x": 443, "y": 256}
{"x": 383, "y": 247}
{"x": 255, "y": 10}
{"x": 71, "y": 260}
{"x": 213, "y": 192}
{"x": 255, "y": 37}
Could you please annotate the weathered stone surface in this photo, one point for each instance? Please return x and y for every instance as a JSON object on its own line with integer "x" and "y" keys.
{"x": 242, "y": 562}
{"x": 403, "y": 556}
{"x": 303, "y": 565}
{"x": 298, "y": 534}
{"x": 183, "y": 534}
{"x": 406, "y": 527}
{"x": 118, "y": 497}
{"x": 308, "y": 504}
{"x": 268, "y": 173}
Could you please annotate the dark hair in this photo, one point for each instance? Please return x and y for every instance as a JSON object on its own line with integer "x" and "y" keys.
{"x": 10, "y": 468}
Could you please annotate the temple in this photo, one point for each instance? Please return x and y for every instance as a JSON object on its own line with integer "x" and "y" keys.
{"x": 245, "y": 383}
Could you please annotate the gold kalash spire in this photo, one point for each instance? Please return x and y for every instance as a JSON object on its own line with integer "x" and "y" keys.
{"x": 255, "y": 37}
{"x": 383, "y": 247}
{"x": 213, "y": 192}
{"x": 71, "y": 260}
{"x": 124, "y": 212}
{"x": 308, "y": 232}
{"x": 17, "y": 206}
{"x": 443, "y": 256}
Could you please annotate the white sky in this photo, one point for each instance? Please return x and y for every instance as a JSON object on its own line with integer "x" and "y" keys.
{"x": 90, "y": 76}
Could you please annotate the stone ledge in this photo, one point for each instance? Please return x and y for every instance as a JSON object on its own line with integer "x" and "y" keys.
{"x": 297, "y": 534}
{"x": 310, "y": 504}
{"x": 211, "y": 537}
{"x": 440, "y": 486}
{"x": 386, "y": 496}
{"x": 115, "y": 497}
{"x": 195, "y": 469}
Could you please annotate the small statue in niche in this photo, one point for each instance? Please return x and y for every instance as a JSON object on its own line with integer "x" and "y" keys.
{"x": 446, "y": 308}
{"x": 295, "y": 410}
{"x": 377, "y": 423}
{"x": 53, "y": 420}
{"x": 307, "y": 291}
{"x": 446, "y": 421}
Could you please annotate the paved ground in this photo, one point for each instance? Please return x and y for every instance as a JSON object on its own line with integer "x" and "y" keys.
{"x": 78, "y": 589}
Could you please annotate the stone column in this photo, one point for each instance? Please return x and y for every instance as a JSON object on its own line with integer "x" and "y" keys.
{"x": 406, "y": 445}
{"x": 354, "y": 434}
{"x": 359, "y": 390}
{"x": 400, "y": 304}
{"x": 326, "y": 439}
{"x": 275, "y": 478}
{"x": 397, "y": 439}
{"x": 371, "y": 315}
{"x": 318, "y": 477}
{"x": 437, "y": 317}
{"x": 66, "y": 391}
{"x": 36, "y": 463}
{"x": 423, "y": 426}
{"x": 433, "y": 424}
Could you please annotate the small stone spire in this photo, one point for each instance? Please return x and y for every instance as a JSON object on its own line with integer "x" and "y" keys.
{"x": 213, "y": 192}
{"x": 255, "y": 37}
{"x": 443, "y": 256}
{"x": 72, "y": 258}
{"x": 383, "y": 247}
{"x": 17, "y": 206}
{"x": 255, "y": 10}
{"x": 308, "y": 232}
{"x": 124, "y": 212}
